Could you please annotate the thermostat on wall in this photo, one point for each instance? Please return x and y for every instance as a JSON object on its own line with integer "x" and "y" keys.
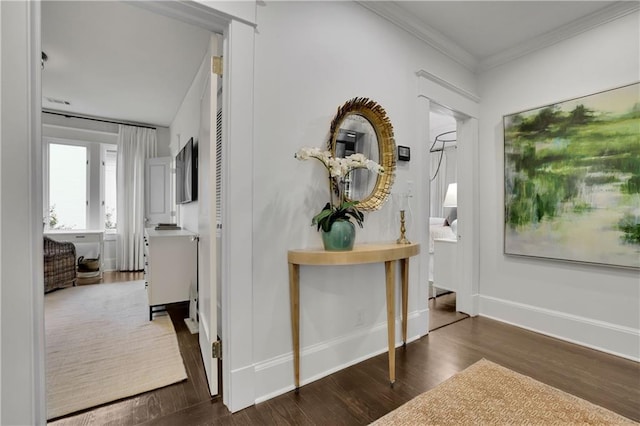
{"x": 404, "y": 153}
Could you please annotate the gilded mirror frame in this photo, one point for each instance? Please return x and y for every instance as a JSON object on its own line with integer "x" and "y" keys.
{"x": 377, "y": 117}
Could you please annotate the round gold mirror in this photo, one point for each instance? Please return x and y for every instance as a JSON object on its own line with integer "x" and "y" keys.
{"x": 362, "y": 126}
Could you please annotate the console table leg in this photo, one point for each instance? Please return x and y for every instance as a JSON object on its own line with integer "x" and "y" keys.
{"x": 404, "y": 276}
{"x": 390, "y": 275}
{"x": 294, "y": 297}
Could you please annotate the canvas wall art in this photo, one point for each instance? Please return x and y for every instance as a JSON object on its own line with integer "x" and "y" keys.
{"x": 572, "y": 180}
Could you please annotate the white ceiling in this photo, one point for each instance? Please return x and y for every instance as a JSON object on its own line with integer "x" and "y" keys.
{"x": 484, "y": 34}
{"x": 484, "y": 28}
{"x": 119, "y": 61}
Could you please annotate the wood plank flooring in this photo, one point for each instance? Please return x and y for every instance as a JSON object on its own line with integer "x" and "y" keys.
{"x": 442, "y": 311}
{"x": 361, "y": 393}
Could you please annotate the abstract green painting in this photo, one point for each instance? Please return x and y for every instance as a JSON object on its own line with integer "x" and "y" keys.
{"x": 572, "y": 180}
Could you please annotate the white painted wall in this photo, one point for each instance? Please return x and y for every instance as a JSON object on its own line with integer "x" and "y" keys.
{"x": 164, "y": 139}
{"x": 311, "y": 57}
{"x": 21, "y": 269}
{"x": 1, "y": 200}
{"x": 309, "y": 60}
{"x": 184, "y": 126}
{"x": 590, "y": 305}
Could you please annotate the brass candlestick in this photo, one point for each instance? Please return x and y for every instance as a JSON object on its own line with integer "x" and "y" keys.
{"x": 403, "y": 229}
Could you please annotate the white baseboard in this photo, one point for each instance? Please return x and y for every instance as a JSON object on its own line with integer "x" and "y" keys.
{"x": 109, "y": 264}
{"x": 242, "y": 379}
{"x": 274, "y": 376}
{"x": 603, "y": 336}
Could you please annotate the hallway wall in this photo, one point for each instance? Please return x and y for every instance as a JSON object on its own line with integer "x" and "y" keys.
{"x": 596, "y": 306}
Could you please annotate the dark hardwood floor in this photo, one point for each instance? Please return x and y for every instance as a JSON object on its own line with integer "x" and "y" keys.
{"x": 442, "y": 311}
{"x": 361, "y": 393}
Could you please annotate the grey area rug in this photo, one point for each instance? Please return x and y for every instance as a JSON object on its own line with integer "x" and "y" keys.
{"x": 101, "y": 346}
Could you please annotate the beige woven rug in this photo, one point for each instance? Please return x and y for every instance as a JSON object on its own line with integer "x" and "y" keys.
{"x": 488, "y": 394}
{"x": 101, "y": 346}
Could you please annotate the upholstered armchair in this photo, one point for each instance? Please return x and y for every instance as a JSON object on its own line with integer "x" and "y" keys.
{"x": 59, "y": 264}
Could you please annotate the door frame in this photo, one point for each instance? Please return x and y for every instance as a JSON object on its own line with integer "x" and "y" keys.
{"x": 207, "y": 221}
{"x": 433, "y": 90}
{"x": 238, "y": 389}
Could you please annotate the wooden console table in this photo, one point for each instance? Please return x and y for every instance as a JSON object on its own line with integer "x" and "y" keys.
{"x": 366, "y": 253}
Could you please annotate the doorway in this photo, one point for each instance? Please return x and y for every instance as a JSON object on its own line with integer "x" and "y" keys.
{"x": 443, "y": 235}
{"x": 22, "y": 201}
{"x": 441, "y": 96}
{"x": 108, "y": 11}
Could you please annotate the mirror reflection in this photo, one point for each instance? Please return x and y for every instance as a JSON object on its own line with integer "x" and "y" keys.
{"x": 357, "y": 135}
{"x": 361, "y": 126}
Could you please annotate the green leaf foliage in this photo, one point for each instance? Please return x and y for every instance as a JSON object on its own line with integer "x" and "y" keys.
{"x": 329, "y": 214}
{"x": 630, "y": 226}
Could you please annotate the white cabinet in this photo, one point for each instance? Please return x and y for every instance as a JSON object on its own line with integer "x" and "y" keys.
{"x": 445, "y": 264}
{"x": 170, "y": 269}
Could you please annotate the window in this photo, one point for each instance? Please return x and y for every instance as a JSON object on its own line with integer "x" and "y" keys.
{"x": 67, "y": 186}
{"x": 80, "y": 185}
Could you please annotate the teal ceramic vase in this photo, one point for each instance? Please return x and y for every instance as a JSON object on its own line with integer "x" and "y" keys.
{"x": 340, "y": 237}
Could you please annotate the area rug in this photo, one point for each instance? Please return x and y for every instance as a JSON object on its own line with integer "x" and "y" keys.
{"x": 101, "y": 346}
{"x": 488, "y": 394}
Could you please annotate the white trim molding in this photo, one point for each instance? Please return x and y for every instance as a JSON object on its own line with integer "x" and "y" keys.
{"x": 465, "y": 106}
{"x": 191, "y": 12}
{"x": 401, "y": 18}
{"x": 22, "y": 371}
{"x": 612, "y": 12}
{"x": 237, "y": 238}
{"x": 600, "y": 335}
{"x": 404, "y": 20}
{"x": 447, "y": 94}
{"x": 444, "y": 83}
{"x": 274, "y": 376}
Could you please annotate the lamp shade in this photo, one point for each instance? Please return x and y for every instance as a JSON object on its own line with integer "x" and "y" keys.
{"x": 451, "y": 197}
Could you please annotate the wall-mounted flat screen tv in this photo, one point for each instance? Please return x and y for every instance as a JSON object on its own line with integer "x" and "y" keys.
{"x": 187, "y": 173}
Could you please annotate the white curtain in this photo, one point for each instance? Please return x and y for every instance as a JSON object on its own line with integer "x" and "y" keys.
{"x": 135, "y": 145}
{"x": 446, "y": 174}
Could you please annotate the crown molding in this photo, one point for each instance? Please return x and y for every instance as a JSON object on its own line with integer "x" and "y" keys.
{"x": 444, "y": 83}
{"x": 398, "y": 16}
{"x": 609, "y": 13}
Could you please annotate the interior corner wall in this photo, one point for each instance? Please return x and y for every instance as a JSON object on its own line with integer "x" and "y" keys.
{"x": 594, "y": 306}
{"x": 311, "y": 57}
